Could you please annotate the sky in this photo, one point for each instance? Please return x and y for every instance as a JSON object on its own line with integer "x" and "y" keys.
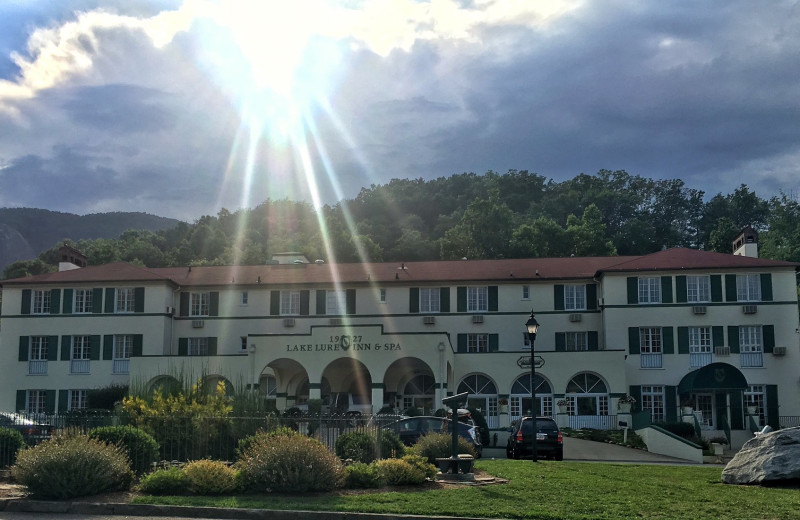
{"x": 181, "y": 108}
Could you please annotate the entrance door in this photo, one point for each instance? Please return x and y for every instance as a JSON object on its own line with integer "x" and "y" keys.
{"x": 704, "y": 410}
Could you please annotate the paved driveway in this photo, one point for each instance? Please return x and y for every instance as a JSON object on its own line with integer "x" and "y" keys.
{"x": 579, "y": 449}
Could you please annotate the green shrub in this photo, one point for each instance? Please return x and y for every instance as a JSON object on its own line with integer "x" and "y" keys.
{"x": 210, "y": 477}
{"x": 391, "y": 445}
{"x": 480, "y": 422}
{"x": 246, "y": 442}
{"x": 398, "y": 472}
{"x": 438, "y": 445}
{"x": 422, "y": 464}
{"x": 356, "y": 446}
{"x": 141, "y": 447}
{"x": 11, "y": 441}
{"x": 361, "y": 476}
{"x": 289, "y": 463}
{"x": 168, "y": 481}
{"x": 68, "y": 467}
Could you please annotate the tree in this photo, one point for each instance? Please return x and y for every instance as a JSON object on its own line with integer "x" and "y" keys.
{"x": 587, "y": 235}
{"x": 23, "y": 268}
{"x": 721, "y": 239}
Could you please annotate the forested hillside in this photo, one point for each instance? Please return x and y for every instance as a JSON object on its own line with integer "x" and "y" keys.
{"x": 517, "y": 214}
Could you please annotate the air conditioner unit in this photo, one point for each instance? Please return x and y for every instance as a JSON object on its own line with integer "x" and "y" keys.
{"x": 170, "y": 310}
{"x": 699, "y": 309}
{"x": 722, "y": 351}
{"x": 749, "y": 309}
{"x": 198, "y": 324}
{"x": 478, "y": 318}
{"x": 336, "y": 321}
{"x": 779, "y": 351}
{"x": 575, "y": 317}
{"x": 428, "y": 320}
{"x": 288, "y": 322}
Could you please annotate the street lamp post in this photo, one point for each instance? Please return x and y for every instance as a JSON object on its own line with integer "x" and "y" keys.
{"x": 533, "y": 327}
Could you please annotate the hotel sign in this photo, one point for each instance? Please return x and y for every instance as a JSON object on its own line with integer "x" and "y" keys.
{"x": 525, "y": 362}
{"x": 344, "y": 343}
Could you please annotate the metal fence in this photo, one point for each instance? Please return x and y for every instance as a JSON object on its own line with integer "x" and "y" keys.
{"x": 789, "y": 421}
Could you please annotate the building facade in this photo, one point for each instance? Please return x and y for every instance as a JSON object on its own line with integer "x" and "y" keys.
{"x": 675, "y": 329}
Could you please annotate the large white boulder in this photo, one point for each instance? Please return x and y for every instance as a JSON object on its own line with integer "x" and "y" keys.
{"x": 766, "y": 459}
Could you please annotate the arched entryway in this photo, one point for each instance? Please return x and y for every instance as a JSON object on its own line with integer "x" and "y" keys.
{"x": 715, "y": 393}
{"x": 482, "y": 396}
{"x": 346, "y": 386}
{"x": 520, "y": 398}
{"x": 587, "y": 401}
{"x": 409, "y": 383}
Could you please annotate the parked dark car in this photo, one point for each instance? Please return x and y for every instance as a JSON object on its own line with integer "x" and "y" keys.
{"x": 549, "y": 440}
{"x": 32, "y": 431}
{"x": 411, "y": 429}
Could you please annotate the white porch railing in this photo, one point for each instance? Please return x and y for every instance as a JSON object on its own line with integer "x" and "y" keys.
{"x": 79, "y": 366}
{"x": 121, "y": 366}
{"x": 752, "y": 359}
{"x": 699, "y": 359}
{"x": 493, "y": 421}
{"x": 597, "y": 422}
{"x": 651, "y": 360}
{"x": 37, "y": 367}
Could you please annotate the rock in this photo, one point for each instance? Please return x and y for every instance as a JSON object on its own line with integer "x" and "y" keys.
{"x": 770, "y": 458}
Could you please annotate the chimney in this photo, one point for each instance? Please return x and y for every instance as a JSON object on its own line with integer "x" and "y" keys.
{"x": 746, "y": 243}
{"x": 70, "y": 258}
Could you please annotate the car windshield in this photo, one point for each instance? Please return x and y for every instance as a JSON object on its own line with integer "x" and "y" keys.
{"x": 542, "y": 425}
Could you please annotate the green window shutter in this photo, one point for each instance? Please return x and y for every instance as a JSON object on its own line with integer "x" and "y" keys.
{"x": 138, "y": 299}
{"x": 26, "y": 302}
{"x": 97, "y": 300}
{"x": 680, "y": 289}
{"x": 213, "y": 303}
{"x": 737, "y": 411}
{"x": 772, "y": 406}
{"x": 94, "y": 347}
{"x": 561, "y": 342}
{"x": 592, "y": 339}
{"x": 183, "y": 346}
{"x": 671, "y": 403}
{"x": 413, "y": 300}
{"x": 768, "y": 332}
{"x": 716, "y": 288}
{"x": 634, "y": 347}
{"x": 22, "y": 400}
{"x": 350, "y": 301}
{"x": 591, "y": 296}
{"x": 55, "y": 301}
{"x": 52, "y": 348}
{"x": 494, "y": 342}
{"x": 683, "y": 340}
{"x": 733, "y": 338}
{"x": 212, "y": 346}
{"x": 633, "y": 290}
{"x": 666, "y": 289}
{"x": 444, "y": 299}
{"x": 111, "y": 296}
{"x": 24, "y": 345}
{"x": 138, "y": 343}
{"x": 461, "y": 296}
{"x": 320, "y": 301}
{"x": 67, "y": 304}
{"x": 558, "y": 297}
{"x": 66, "y": 348}
{"x": 766, "y": 287}
{"x": 108, "y": 347}
{"x": 462, "y": 343}
{"x": 50, "y": 401}
{"x": 274, "y": 303}
{"x": 667, "y": 336}
{"x": 635, "y": 391}
{"x": 305, "y": 296}
{"x": 718, "y": 336}
{"x": 493, "y": 299}
{"x": 184, "y": 301}
{"x": 730, "y": 288}
{"x": 63, "y": 397}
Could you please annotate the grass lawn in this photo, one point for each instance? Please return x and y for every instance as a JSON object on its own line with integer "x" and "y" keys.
{"x": 552, "y": 490}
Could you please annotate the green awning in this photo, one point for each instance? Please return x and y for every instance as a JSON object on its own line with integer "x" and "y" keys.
{"x": 715, "y": 376}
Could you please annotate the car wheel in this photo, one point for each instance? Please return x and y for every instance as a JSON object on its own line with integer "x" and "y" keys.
{"x": 560, "y": 455}
{"x": 516, "y": 454}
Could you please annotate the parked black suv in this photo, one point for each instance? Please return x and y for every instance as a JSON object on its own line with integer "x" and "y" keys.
{"x": 411, "y": 429}
{"x": 549, "y": 441}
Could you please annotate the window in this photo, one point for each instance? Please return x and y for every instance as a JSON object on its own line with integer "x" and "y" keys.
{"x": 653, "y": 402}
{"x": 575, "y": 297}
{"x": 198, "y": 347}
{"x": 290, "y": 303}
{"x": 429, "y": 299}
{"x": 123, "y": 347}
{"x": 77, "y": 399}
{"x": 79, "y": 363}
{"x": 37, "y": 358}
{"x": 526, "y": 292}
{"x": 699, "y": 346}
{"x": 41, "y": 301}
{"x": 477, "y": 343}
{"x": 198, "y": 304}
{"x": 751, "y": 346}
{"x": 82, "y": 301}
{"x": 37, "y": 401}
{"x": 382, "y": 295}
{"x": 650, "y": 347}
{"x": 477, "y": 299}
{"x": 748, "y": 287}
{"x": 587, "y": 394}
{"x": 125, "y": 299}
{"x": 520, "y": 399}
{"x": 245, "y": 297}
{"x": 650, "y": 290}
{"x": 576, "y": 341}
{"x": 755, "y": 396}
{"x": 335, "y": 302}
{"x": 698, "y": 289}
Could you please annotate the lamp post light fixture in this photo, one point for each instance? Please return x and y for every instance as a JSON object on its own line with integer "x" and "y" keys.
{"x": 533, "y": 327}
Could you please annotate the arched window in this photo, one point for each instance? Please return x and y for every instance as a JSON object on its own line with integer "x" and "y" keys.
{"x": 482, "y": 396}
{"x": 587, "y": 394}
{"x": 521, "y": 397}
{"x": 419, "y": 392}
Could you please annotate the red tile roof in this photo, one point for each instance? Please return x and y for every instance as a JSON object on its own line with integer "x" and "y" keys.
{"x": 680, "y": 258}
